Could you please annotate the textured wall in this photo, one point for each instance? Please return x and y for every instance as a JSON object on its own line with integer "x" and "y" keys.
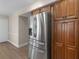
{"x": 23, "y": 30}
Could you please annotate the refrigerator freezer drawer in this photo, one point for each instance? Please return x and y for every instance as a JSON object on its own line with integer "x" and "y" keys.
{"x": 36, "y": 53}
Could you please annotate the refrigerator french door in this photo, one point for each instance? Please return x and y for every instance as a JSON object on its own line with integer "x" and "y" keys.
{"x": 39, "y": 31}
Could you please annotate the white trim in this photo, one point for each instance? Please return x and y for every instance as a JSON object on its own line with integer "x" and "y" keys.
{"x": 13, "y": 44}
{"x": 22, "y": 45}
{"x": 18, "y": 46}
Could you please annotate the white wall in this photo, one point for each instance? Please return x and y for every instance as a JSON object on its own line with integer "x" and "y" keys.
{"x": 18, "y": 30}
{"x": 3, "y": 28}
{"x": 13, "y": 30}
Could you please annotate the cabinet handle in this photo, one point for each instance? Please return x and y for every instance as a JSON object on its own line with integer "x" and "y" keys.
{"x": 64, "y": 17}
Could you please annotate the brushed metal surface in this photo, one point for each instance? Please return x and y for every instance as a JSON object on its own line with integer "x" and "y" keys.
{"x": 39, "y": 40}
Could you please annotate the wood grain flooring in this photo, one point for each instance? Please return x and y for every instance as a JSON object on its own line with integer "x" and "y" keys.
{"x": 8, "y": 51}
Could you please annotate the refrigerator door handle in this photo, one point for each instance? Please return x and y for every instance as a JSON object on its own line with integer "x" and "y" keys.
{"x": 39, "y": 27}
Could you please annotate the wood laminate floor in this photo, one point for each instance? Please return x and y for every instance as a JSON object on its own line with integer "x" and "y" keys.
{"x": 8, "y": 51}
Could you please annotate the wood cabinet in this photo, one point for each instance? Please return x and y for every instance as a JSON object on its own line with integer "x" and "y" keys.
{"x": 70, "y": 33}
{"x": 71, "y": 39}
{"x": 59, "y": 51}
{"x": 35, "y": 12}
{"x": 59, "y": 32}
{"x": 45, "y": 9}
{"x": 71, "y": 53}
{"x": 59, "y": 39}
{"x": 66, "y": 9}
{"x": 66, "y": 39}
{"x": 59, "y": 48}
{"x": 72, "y": 8}
{"x": 40, "y": 10}
{"x": 66, "y": 29}
{"x": 60, "y": 10}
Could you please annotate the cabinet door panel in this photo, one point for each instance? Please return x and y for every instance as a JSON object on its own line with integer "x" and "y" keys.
{"x": 71, "y": 53}
{"x": 72, "y": 8}
{"x": 63, "y": 8}
{"x": 57, "y": 10}
{"x": 70, "y": 33}
{"x": 59, "y": 32}
{"x": 60, "y": 10}
{"x": 66, "y": 9}
{"x": 59, "y": 51}
{"x": 59, "y": 39}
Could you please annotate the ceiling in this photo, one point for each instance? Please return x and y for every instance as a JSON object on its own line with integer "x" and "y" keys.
{"x": 7, "y": 7}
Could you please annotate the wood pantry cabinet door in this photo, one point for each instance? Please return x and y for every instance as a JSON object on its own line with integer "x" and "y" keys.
{"x": 60, "y": 10}
{"x": 57, "y": 11}
{"x": 59, "y": 48}
{"x": 59, "y": 32}
{"x": 70, "y": 33}
{"x": 66, "y": 40}
{"x": 66, "y": 9}
{"x": 71, "y": 53}
{"x": 71, "y": 39}
{"x": 59, "y": 51}
{"x": 72, "y": 8}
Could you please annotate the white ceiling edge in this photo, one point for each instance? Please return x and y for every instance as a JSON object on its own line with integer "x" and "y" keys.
{"x": 34, "y": 6}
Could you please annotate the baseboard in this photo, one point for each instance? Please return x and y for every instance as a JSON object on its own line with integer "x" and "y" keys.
{"x": 22, "y": 45}
{"x": 18, "y": 46}
{"x": 13, "y": 44}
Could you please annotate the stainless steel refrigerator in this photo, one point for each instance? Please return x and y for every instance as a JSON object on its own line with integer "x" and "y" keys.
{"x": 39, "y": 34}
